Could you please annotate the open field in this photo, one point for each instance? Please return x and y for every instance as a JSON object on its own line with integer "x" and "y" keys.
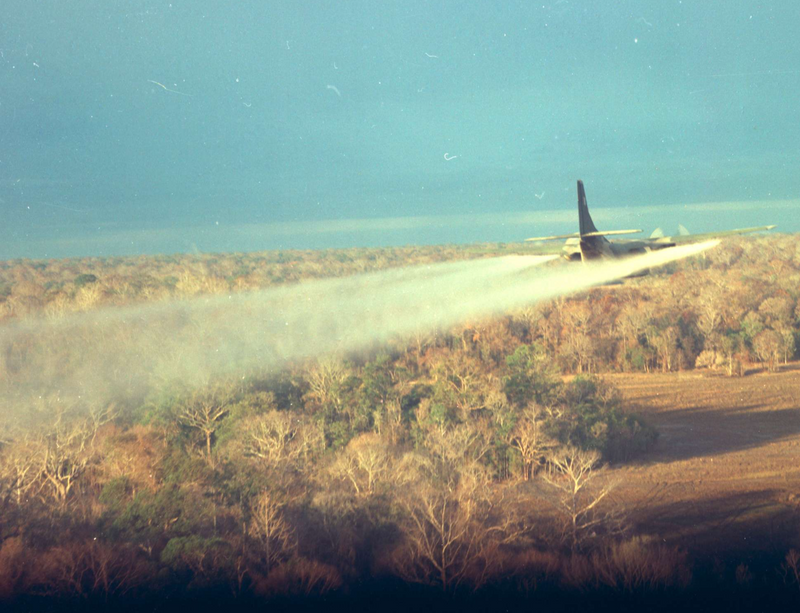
{"x": 724, "y": 475}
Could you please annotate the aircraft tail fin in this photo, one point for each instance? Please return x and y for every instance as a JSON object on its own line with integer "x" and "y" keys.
{"x": 585, "y": 220}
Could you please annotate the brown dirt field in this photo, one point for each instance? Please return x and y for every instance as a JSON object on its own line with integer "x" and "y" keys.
{"x": 724, "y": 475}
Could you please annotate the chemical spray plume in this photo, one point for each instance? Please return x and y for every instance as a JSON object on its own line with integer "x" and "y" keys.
{"x": 116, "y": 354}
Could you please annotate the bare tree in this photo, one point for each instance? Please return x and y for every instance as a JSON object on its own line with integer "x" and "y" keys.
{"x": 767, "y": 345}
{"x": 269, "y": 527}
{"x": 534, "y": 315}
{"x": 271, "y": 437}
{"x": 711, "y": 307}
{"x": 665, "y": 342}
{"x": 458, "y": 445}
{"x": 465, "y": 377}
{"x": 63, "y": 455}
{"x": 203, "y": 411}
{"x": 422, "y": 338}
{"x": 790, "y": 568}
{"x": 18, "y": 469}
{"x": 572, "y": 473}
{"x": 788, "y": 344}
{"x": 99, "y": 416}
{"x": 93, "y": 567}
{"x": 282, "y": 441}
{"x": 528, "y": 437}
{"x": 577, "y": 319}
{"x": 453, "y": 527}
{"x": 778, "y": 314}
{"x": 364, "y": 463}
{"x": 325, "y": 380}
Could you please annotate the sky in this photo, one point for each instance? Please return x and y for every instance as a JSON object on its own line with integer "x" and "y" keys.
{"x": 149, "y": 126}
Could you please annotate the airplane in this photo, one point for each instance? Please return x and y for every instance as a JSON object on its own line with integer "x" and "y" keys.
{"x": 590, "y": 244}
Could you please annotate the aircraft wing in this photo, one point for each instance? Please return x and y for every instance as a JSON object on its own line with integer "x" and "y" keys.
{"x": 682, "y": 239}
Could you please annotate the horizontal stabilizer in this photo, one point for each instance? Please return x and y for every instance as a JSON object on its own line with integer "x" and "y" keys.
{"x": 579, "y": 235}
{"x": 612, "y": 232}
{"x": 553, "y": 238}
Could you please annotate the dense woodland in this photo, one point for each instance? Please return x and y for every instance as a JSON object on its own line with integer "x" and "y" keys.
{"x": 464, "y": 460}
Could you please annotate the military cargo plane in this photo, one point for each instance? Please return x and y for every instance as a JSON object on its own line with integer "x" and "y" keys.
{"x": 590, "y": 244}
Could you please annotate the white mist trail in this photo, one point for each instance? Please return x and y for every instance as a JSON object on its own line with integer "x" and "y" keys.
{"x": 115, "y": 353}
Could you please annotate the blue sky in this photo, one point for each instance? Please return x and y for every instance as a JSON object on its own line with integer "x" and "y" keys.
{"x": 150, "y": 126}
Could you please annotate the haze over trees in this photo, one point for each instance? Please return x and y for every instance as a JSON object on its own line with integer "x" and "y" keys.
{"x": 457, "y": 459}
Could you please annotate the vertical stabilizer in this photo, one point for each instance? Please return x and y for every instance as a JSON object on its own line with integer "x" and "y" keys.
{"x": 584, "y": 219}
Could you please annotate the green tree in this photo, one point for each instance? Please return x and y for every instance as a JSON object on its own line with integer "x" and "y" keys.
{"x": 591, "y": 418}
{"x": 152, "y": 517}
{"x": 530, "y": 377}
{"x": 206, "y": 558}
